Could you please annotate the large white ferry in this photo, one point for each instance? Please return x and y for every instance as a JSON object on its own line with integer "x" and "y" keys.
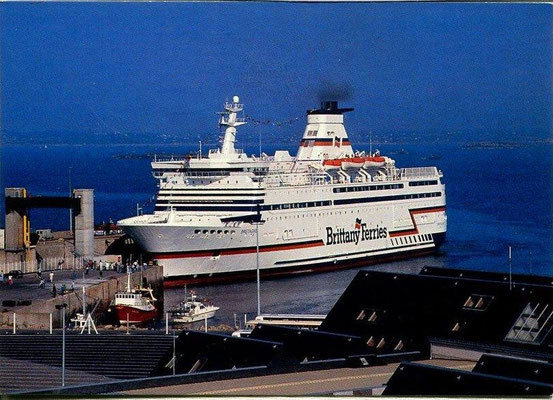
{"x": 327, "y": 208}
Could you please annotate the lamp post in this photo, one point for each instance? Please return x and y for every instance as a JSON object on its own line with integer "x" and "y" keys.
{"x": 70, "y": 195}
{"x": 62, "y": 307}
{"x": 257, "y": 222}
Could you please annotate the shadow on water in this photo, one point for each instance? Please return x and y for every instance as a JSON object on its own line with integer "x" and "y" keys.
{"x": 305, "y": 294}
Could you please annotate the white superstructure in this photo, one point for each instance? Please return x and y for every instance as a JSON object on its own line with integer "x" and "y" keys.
{"x": 329, "y": 207}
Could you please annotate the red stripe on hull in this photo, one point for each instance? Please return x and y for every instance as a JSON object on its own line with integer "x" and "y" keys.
{"x": 302, "y": 269}
{"x": 415, "y": 231}
{"x": 246, "y": 250}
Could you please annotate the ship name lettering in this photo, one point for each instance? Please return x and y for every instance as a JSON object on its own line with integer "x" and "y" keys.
{"x": 342, "y": 236}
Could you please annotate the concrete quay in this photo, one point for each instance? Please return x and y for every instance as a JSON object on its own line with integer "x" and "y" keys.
{"x": 42, "y": 307}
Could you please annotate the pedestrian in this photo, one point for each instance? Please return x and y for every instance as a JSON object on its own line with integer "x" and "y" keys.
{"x": 60, "y": 264}
{"x": 10, "y": 280}
{"x": 74, "y": 275}
{"x": 52, "y": 277}
{"x": 63, "y": 289}
{"x": 72, "y": 286}
{"x": 54, "y": 293}
{"x": 39, "y": 272}
{"x": 101, "y": 271}
{"x": 42, "y": 284}
{"x": 86, "y": 270}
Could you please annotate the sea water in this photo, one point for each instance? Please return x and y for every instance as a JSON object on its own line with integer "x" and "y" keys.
{"x": 496, "y": 197}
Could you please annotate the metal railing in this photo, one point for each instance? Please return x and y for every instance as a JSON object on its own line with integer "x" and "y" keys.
{"x": 418, "y": 172}
{"x": 46, "y": 264}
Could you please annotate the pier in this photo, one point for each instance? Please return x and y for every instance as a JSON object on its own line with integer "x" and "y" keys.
{"x": 34, "y": 308}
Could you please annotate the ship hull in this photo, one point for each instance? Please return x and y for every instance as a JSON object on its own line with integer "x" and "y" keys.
{"x": 316, "y": 266}
{"x": 194, "y": 318}
{"x": 315, "y": 245}
{"x": 134, "y": 315}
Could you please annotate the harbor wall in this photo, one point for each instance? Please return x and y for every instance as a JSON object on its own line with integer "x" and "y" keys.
{"x": 37, "y": 315}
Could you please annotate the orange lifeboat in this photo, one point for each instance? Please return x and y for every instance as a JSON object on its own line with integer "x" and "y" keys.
{"x": 332, "y": 164}
{"x": 374, "y": 162}
{"x": 353, "y": 162}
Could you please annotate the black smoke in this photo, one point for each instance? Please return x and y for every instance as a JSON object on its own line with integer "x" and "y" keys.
{"x": 335, "y": 91}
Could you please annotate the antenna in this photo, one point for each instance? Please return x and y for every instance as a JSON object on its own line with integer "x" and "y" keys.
{"x": 370, "y": 143}
{"x": 259, "y": 134}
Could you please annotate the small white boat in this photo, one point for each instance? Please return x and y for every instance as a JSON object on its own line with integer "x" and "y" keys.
{"x": 79, "y": 321}
{"x": 193, "y": 310}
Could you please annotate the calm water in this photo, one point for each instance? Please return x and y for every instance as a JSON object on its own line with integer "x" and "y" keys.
{"x": 495, "y": 198}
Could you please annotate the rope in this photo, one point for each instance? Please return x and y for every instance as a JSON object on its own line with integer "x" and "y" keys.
{"x": 273, "y": 123}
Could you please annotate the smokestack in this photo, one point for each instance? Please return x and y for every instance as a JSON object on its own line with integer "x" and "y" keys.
{"x": 329, "y": 105}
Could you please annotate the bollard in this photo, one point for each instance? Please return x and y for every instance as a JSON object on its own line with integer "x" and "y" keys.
{"x": 166, "y": 323}
{"x": 51, "y": 323}
{"x": 14, "y": 323}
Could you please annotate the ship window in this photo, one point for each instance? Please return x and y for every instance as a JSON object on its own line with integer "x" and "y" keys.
{"x": 196, "y": 231}
{"x": 399, "y": 346}
{"x": 212, "y": 231}
{"x": 226, "y": 232}
{"x": 370, "y": 342}
{"x": 533, "y": 324}
{"x": 381, "y": 343}
{"x": 219, "y": 231}
{"x": 204, "y": 231}
{"x": 369, "y": 315}
{"x": 477, "y": 302}
{"x": 456, "y": 327}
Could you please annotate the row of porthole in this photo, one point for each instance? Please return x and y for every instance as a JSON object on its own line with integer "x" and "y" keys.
{"x": 213, "y": 231}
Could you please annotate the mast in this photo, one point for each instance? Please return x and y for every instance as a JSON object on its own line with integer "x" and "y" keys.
{"x": 229, "y": 118}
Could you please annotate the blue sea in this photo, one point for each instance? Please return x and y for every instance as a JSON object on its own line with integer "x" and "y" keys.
{"x": 496, "y": 198}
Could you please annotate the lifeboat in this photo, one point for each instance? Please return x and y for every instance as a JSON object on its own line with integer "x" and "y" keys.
{"x": 374, "y": 162}
{"x": 332, "y": 164}
{"x": 353, "y": 162}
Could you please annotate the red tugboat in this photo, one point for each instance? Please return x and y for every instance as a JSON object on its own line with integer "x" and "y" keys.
{"x": 136, "y": 306}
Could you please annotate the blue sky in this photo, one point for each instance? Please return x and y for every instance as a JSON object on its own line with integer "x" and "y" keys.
{"x": 135, "y": 71}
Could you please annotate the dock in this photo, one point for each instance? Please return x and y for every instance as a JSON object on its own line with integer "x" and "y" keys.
{"x": 308, "y": 321}
{"x": 34, "y": 308}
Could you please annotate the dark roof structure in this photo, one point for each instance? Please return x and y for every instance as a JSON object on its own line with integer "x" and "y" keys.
{"x": 380, "y": 318}
{"x": 503, "y": 378}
